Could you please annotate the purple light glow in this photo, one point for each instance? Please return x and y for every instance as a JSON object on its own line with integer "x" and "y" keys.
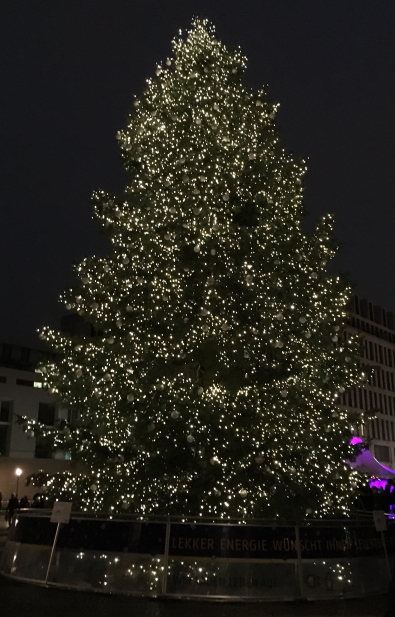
{"x": 387, "y": 468}
{"x": 355, "y": 440}
{"x": 378, "y": 483}
{"x": 367, "y": 463}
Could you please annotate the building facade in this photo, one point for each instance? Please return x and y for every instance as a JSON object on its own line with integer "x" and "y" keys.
{"x": 376, "y": 328}
{"x": 21, "y": 394}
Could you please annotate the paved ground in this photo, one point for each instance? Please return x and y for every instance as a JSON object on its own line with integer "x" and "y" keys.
{"x": 25, "y": 599}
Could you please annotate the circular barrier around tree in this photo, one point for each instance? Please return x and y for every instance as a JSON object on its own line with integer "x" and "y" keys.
{"x": 184, "y": 558}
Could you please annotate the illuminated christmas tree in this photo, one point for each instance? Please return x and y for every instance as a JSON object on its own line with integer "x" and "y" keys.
{"x": 210, "y": 385}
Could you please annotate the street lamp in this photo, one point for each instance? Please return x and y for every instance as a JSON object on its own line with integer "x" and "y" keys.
{"x": 18, "y": 472}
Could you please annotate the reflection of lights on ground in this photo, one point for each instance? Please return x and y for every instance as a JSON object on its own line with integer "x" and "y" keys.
{"x": 148, "y": 574}
{"x": 340, "y": 572}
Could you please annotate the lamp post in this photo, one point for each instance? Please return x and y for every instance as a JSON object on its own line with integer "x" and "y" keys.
{"x": 18, "y": 472}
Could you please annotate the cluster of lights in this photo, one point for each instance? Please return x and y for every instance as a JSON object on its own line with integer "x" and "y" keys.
{"x": 121, "y": 571}
{"x": 210, "y": 386}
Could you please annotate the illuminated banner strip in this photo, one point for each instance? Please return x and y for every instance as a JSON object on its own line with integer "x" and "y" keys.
{"x": 195, "y": 540}
{"x": 250, "y": 542}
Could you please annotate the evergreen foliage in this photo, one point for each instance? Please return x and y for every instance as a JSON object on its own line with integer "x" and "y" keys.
{"x": 210, "y": 386}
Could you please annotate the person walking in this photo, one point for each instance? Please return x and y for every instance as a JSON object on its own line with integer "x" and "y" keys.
{"x": 11, "y": 507}
{"x": 24, "y": 502}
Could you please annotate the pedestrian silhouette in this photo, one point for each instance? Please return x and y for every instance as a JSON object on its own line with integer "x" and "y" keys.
{"x": 11, "y": 507}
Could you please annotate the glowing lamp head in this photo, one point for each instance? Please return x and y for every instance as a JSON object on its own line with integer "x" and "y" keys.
{"x": 18, "y": 471}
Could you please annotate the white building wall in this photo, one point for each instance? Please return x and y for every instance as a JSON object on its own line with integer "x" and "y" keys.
{"x": 24, "y": 402}
{"x": 378, "y": 392}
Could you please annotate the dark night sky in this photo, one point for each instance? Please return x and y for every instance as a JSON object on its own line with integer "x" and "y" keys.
{"x": 69, "y": 70}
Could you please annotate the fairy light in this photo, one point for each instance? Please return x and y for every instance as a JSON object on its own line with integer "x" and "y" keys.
{"x": 210, "y": 386}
